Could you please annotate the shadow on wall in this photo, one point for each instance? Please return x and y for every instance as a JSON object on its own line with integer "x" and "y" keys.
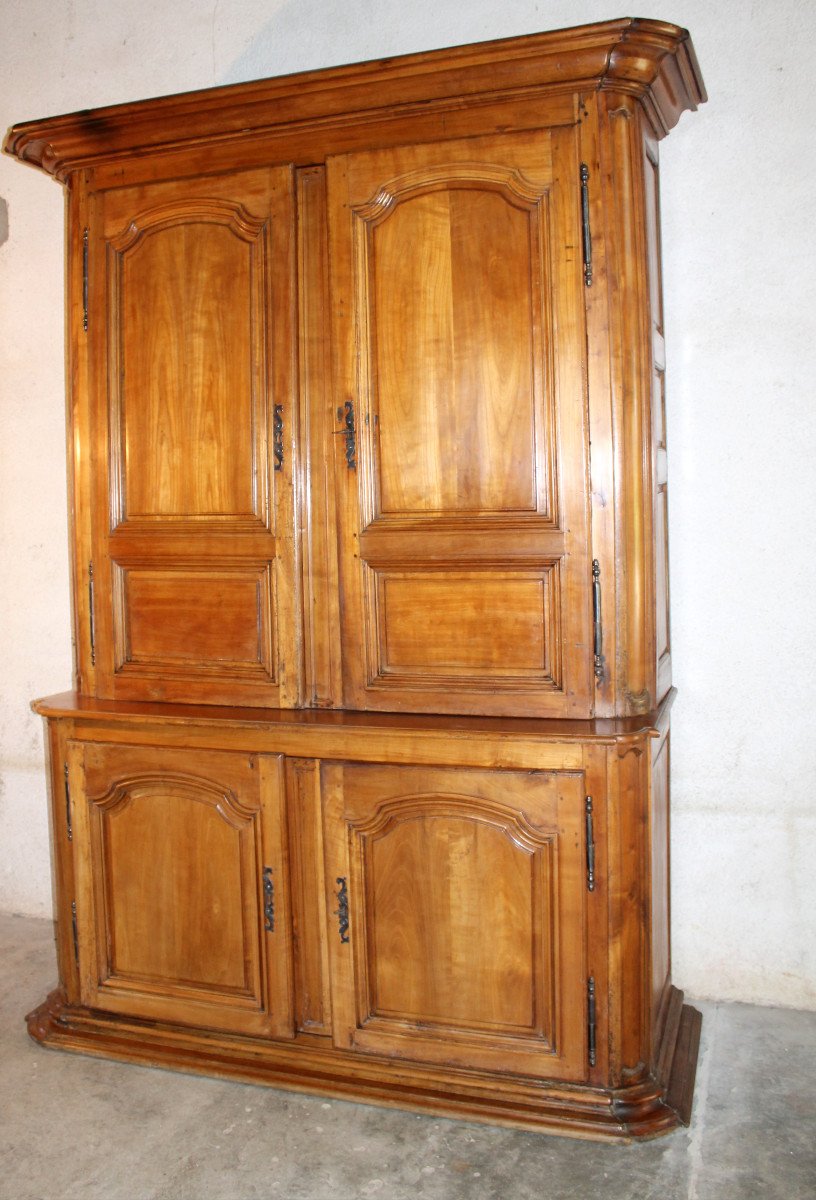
{"x": 308, "y": 34}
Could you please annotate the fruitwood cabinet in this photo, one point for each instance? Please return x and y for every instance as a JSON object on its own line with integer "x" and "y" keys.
{"x": 363, "y": 784}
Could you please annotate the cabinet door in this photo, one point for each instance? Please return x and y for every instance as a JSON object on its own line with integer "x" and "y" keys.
{"x": 462, "y": 462}
{"x": 182, "y": 904}
{"x": 457, "y": 902}
{"x": 191, "y": 350}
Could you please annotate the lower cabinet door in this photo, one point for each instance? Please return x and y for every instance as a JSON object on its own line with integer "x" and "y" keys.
{"x": 457, "y": 922}
{"x": 182, "y": 897}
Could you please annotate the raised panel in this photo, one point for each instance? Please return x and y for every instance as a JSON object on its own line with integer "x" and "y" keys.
{"x": 452, "y": 288}
{"x": 459, "y": 335}
{"x": 195, "y": 620}
{"x": 188, "y": 362}
{"x": 176, "y": 851}
{"x": 662, "y": 633}
{"x": 659, "y": 877}
{"x": 488, "y": 624}
{"x": 196, "y": 588}
{"x": 177, "y": 919}
{"x": 436, "y": 882}
{"x": 661, "y": 534}
{"x": 465, "y": 915}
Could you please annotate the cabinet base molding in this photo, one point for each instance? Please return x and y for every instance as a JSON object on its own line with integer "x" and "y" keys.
{"x": 643, "y": 1109}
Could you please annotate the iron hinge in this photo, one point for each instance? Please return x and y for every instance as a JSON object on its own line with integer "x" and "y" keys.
{"x": 587, "y": 234}
{"x": 74, "y": 931}
{"x": 85, "y": 280}
{"x": 597, "y": 636}
{"x": 590, "y": 846}
{"x": 591, "y": 1031}
{"x": 67, "y": 803}
{"x": 91, "y": 618}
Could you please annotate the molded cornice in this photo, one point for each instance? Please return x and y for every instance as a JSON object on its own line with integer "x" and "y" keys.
{"x": 652, "y": 60}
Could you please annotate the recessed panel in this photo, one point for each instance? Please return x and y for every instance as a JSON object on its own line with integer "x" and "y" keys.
{"x": 466, "y": 624}
{"x": 187, "y": 371}
{"x": 194, "y": 620}
{"x": 454, "y": 924}
{"x": 176, "y": 918}
{"x": 455, "y": 370}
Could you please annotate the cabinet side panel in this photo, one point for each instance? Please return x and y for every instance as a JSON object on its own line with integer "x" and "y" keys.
{"x": 658, "y": 423}
{"x": 630, "y": 376}
{"x": 629, "y": 912}
{"x": 660, "y": 893}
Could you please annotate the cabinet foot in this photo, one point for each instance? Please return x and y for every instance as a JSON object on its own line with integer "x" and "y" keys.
{"x": 643, "y": 1110}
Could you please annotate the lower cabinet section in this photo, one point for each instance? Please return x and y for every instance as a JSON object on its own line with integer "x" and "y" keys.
{"x": 459, "y": 922}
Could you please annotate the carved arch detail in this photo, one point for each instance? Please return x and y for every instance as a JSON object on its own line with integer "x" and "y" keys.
{"x": 124, "y": 792}
{"x": 234, "y": 217}
{"x": 399, "y": 809}
{"x": 513, "y": 185}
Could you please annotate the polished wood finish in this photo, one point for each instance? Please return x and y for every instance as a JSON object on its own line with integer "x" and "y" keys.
{"x": 352, "y": 794}
{"x": 172, "y": 857}
{"x": 195, "y": 578}
{"x": 464, "y": 544}
{"x": 462, "y": 887}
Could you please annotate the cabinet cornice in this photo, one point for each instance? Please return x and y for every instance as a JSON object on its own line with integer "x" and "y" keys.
{"x": 649, "y": 59}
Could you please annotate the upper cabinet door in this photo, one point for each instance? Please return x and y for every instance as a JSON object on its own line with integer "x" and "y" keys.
{"x": 191, "y": 345}
{"x": 460, "y": 408}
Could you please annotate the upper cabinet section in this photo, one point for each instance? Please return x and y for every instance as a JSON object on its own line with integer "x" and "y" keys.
{"x": 366, "y": 381}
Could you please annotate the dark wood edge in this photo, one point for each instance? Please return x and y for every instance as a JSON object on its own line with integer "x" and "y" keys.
{"x": 652, "y": 59}
{"x": 539, "y": 1105}
{"x": 680, "y": 1090}
{"x": 89, "y": 709}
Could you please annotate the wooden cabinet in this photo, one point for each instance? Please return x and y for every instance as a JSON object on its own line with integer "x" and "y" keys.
{"x": 363, "y": 785}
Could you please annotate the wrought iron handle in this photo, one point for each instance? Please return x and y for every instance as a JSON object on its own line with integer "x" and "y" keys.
{"x": 277, "y": 437}
{"x": 269, "y": 900}
{"x": 342, "y": 911}
{"x": 349, "y": 432}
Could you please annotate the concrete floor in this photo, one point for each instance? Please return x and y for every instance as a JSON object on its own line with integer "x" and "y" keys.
{"x": 75, "y": 1128}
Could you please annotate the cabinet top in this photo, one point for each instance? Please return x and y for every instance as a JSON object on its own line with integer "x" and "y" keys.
{"x": 651, "y": 60}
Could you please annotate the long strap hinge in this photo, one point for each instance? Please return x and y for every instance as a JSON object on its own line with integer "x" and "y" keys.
{"x": 91, "y": 617}
{"x": 591, "y": 1027}
{"x": 597, "y": 621}
{"x": 85, "y": 280}
{"x": 68, "y": 824}
{"x": 74, "y": 931}
{"x": 585, "y": 229}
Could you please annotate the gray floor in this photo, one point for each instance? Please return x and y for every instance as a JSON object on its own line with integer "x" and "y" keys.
{"x": 76, "y": 1128}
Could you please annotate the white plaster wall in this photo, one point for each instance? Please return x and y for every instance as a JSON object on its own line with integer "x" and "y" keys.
{"x": 738, "y": 221}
